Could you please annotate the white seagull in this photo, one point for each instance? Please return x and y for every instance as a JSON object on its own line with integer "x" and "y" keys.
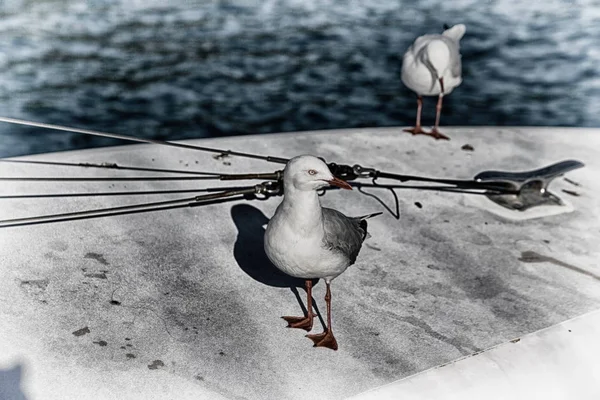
{"x": 308, "y": 241}
{"x": 432, "y": 67}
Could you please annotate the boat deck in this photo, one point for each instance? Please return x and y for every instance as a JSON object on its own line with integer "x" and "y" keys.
{"x": 184, "y": 303}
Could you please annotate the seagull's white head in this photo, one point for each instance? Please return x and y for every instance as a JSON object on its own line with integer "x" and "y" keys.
{"x": 310, "y": 173}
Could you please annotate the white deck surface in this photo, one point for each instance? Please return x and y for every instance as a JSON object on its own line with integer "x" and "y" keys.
{"x": 560, "y": 362}
{"x": 200, "y": 306}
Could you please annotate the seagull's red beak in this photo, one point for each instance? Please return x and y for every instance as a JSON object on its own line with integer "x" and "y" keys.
{"x": 340, "y": 183}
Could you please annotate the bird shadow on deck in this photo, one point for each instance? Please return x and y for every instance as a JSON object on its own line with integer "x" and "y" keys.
{"x": 10, "y": 384}
{"x": 249, "y": 252}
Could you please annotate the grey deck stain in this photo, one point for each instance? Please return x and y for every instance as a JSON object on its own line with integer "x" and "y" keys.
{"x": 533, "y": 257}
{"x": 156, "y": 364}
{"x": 98, "y": 257}
{"x": 35, "y": 285}
{"x": 463, "y": 348}
{"x": 82, "y": 331}
{"x": 371, "y": 349}
{"x": 50, "y": 255}
{"x": 475, "y": 237}
{"x": 196, "y": 299}
{"x": 483, "y": 282}
{"x": 98, "y": 275}
{"x": 58, "y": 245}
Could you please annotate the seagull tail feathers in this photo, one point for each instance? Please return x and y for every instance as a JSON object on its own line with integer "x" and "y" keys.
{"x": 456, "y": 32}
{"x": 362, "y": 222}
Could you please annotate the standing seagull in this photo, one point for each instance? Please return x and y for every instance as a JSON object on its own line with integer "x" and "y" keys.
{"x": 308, "y": 241}
{"x": 432, "y": 67}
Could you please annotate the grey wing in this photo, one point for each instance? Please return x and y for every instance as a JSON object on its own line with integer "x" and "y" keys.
{"x": 453, "y": 45}
{"x": 456, "y": 67}
{"x": 343, "y": 234}
{"x": 423, "y": 41}
{"x": 456, "y": 64}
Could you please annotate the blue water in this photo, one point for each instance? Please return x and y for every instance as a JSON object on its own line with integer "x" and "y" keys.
{"x": 216, "y": 68}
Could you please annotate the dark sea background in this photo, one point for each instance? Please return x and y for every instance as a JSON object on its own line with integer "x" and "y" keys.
{"x": 184, "y": 69}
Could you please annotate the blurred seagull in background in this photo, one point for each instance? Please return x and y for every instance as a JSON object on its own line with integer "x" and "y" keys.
{"x": 432, "y": 67}
{"x": 308, "y": 241}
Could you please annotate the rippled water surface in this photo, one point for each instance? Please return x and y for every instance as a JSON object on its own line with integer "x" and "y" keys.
{"x": 215, "y": 68}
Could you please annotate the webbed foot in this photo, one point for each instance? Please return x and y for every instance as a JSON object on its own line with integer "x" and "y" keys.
{"x": 417, "y": 130}
{"x": 325, "y": 339}
{"x": 305, "y": 323}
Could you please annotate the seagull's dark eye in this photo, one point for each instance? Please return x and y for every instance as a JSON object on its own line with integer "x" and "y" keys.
{"x": 312, "y": 172}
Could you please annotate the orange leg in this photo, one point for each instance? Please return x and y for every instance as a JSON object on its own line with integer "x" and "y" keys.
{"x": 305, "y": 322}
{"x": 326, "y": 339}
{"x": 417, "y": 129}
{"x": 435, "y": 132}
